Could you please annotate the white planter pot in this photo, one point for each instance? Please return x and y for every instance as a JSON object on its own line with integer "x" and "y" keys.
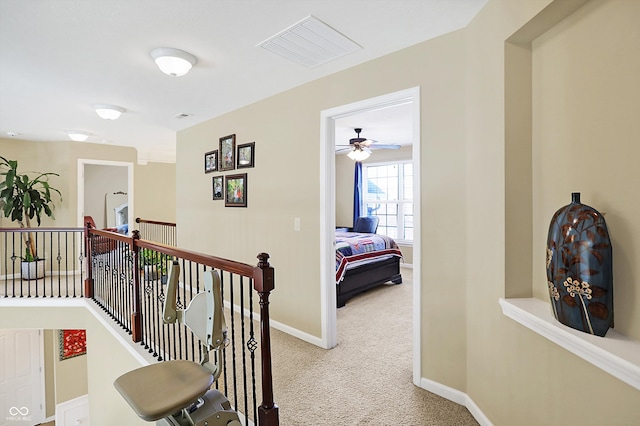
{"x": 33, "y": 270}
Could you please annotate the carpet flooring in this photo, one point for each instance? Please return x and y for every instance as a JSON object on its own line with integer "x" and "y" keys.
{"x": 367, "y": 378}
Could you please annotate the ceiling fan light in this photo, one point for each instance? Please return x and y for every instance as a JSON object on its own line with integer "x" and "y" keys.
{"x": 359, "y": 154}
{"x": 173, "y": 62}
{"x": 108, "y": 112}
{"x": 78, "y": 136}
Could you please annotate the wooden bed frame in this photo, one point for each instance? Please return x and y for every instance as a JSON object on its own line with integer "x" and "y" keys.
{"x": 365, "y": 277}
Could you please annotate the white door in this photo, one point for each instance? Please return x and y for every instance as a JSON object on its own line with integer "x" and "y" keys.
{"x": 21, "y": 377}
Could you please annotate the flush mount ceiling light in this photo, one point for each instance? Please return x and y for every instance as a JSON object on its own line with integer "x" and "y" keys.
{"x": 108, "y": 112}
{"x": 78, "y": 136}
{"x": 173, "y": 62}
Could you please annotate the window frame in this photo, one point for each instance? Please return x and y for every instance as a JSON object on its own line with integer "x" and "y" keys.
{"x": 401, "y": 202}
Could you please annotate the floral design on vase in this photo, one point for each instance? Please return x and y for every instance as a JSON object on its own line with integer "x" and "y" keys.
{"x": 580, "y": 268}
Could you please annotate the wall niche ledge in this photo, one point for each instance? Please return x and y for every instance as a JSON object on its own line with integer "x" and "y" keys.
{"x": 615, "y": 353}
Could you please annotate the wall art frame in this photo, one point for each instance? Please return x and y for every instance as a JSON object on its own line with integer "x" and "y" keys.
{"x": 217, "y": 185}
{"x": 246, "y": 155}
{"x": 72, "y": 343}
{"x": 235, "y": 190}
{"x": 227, "y": 152}
{"x": 211, "y": 161}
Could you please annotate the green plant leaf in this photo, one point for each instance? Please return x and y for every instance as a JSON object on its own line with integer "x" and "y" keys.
{"x": 26, "y": 200}
{"x": 10, "y": 177}
{"x": 20, "y": 195}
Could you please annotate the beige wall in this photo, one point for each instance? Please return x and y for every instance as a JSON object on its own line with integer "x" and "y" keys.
{"x": 71, "y": 374}
{"x": 281, "y": 187}
{"x": 586, "y": 85}
{"x": 154, "y": 183}
{"x": 106, "y": 360}
{"x": 64, "y": 380}
{"x": 551, "y": 146}
{"x": 513, "y": 375}
{"x": 155, "y": 191}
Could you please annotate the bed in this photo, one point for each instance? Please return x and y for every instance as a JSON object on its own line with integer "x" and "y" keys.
{"x": 364, "y": 261}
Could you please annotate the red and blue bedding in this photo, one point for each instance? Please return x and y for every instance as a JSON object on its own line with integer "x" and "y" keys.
{"x": 354, "y": 249}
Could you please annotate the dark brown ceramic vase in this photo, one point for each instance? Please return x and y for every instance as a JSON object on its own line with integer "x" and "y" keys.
{"x": 580, "y": 268}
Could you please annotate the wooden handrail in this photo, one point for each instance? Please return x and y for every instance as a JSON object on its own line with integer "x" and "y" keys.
{"x": 154, "y": 222}
{"x": 239, "y": 268}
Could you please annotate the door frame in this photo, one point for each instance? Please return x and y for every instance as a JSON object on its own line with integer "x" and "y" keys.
{"x": 82, "y": 162}
{"x": 328, "y": 208}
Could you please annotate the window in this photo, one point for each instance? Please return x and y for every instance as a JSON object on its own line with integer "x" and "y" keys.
{"x": 388, "y": 194}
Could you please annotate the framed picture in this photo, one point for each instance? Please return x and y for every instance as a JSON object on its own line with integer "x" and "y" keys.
{"x": 211, "y": 161}
{"x": 217, "y": 184}
{"x": 245, "y": 154}
{"x": 236, "y": 190}
{"x": 227, "y": 152}
{"x": 72, "y": 343}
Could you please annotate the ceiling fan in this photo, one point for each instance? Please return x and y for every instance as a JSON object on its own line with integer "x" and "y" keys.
{"x": 360, "y": 148}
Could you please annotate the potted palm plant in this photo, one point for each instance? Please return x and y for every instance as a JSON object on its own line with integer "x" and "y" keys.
{"x": 23, "y": 198}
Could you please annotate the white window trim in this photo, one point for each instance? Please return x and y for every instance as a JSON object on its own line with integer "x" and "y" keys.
{"x": 399, "y": 202}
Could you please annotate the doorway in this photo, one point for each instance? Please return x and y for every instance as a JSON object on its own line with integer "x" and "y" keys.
{"x": 94, "y": 197}
{"x": 328, "y": 207}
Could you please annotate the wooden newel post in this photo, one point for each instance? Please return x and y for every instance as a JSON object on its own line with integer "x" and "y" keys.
{"x": 88, "y": 282}
{"x": 136, "y": 314}
{"x": 263, "y": 283}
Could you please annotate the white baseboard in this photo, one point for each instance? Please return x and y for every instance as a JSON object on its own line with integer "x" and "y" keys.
{"x": 297, "y": 333}
{"x": 280, "y": 326}
{"x": 457, "y": 397}
{"x": 47, "y": 273}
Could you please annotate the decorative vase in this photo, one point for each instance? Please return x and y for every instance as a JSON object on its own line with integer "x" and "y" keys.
{"x": 580, "y": 268}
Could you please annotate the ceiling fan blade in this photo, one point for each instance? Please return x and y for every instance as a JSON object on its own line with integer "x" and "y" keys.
{"x": 368, "y": 142}
{"x": 382, "y": 146}
{"x": 341, "y": 150}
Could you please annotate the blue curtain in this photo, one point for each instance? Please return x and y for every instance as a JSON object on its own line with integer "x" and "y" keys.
{"x": 357, "y": 192}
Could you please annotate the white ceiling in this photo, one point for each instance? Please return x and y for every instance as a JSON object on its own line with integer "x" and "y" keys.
{"x": 58, "y": 57}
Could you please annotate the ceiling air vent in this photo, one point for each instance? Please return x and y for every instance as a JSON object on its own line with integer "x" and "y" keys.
{"x": 310, "y": 42}
{"x": 182, "y": 115}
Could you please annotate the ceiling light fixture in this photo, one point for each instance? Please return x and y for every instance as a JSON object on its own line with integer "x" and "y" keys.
{"x": 108, "y": 112}
{"x": 173, "y": 62}
{"x": 78, "y": 136}
{"x": 359, "y": 154}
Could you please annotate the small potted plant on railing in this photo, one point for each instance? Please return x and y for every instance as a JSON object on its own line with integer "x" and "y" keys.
{"x": 21, "y": 199}
{"x": 32, "y": 266}
{"x": 154, "y": 264}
